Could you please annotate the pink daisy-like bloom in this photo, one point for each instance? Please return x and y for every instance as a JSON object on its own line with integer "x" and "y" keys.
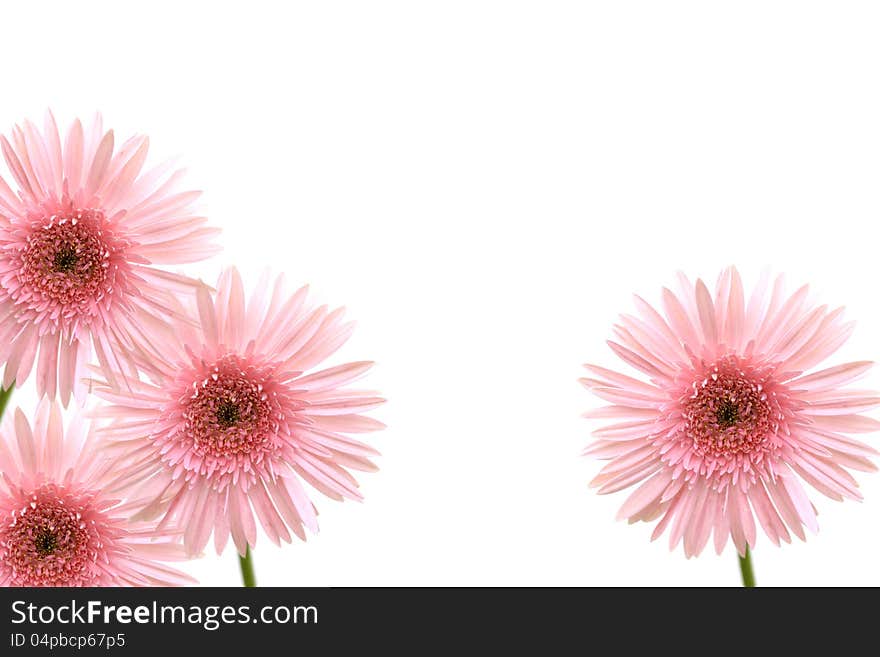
{"x": 232, "y": 420}
{"x": 730, "y": 424}
{"x": 58, "y": 524}
{"x": 78, "y": 245}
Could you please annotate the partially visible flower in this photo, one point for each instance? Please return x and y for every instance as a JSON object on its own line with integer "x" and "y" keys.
{"x": 78, "y": 245}
{"x": 232, "y": 419}
{"x": 59, "y": 526}
{"x": 730, "y": 424}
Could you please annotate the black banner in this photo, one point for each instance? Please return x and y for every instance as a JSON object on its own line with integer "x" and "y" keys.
{"x": 280, "y": 621}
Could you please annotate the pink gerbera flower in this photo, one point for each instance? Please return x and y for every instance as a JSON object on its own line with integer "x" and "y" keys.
{"x": 730, "y": 424}
{"x": 232, "y": 419}
{"x": 58, "y": 525}
{"x": 77, "y": 247}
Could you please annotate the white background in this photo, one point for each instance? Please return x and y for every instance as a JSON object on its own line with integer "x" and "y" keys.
{"x": 484, "y": 185}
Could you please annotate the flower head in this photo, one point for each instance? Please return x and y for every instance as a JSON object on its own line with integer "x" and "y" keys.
{"x": 60, "y": 524}
{"x": 78, "y": 245}
{"x": 730, "y": 423}
{"x": 231, "y": 420}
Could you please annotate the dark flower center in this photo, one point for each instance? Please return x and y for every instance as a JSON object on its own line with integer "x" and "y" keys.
{"x": 65, "y": 259}
{"x": 68, "y": 261}
{"x": 228, "y": 414}
{"x": 728, "y": 410}
{"x": 58, "y": 538}
{"x": 45, "y": 542}
{"x": 727, "y": 414}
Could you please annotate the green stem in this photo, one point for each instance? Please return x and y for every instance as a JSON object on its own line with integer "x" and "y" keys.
{"x": 247, "y": 569}
{"x": 745, "y": 568}
{"x": 4, "y": 397}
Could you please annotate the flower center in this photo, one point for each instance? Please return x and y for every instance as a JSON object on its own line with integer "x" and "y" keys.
{"x": 67, "y": 260}
{"x": 229, "y": 411}
{"x": 728, "y": 411}
{"x": 727, "y": 414}
{"x": 45, "y": 542}
{"x": 231, "y": 419}
{"x": 228, "y": 414}
{"x": 49, "y": 542}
